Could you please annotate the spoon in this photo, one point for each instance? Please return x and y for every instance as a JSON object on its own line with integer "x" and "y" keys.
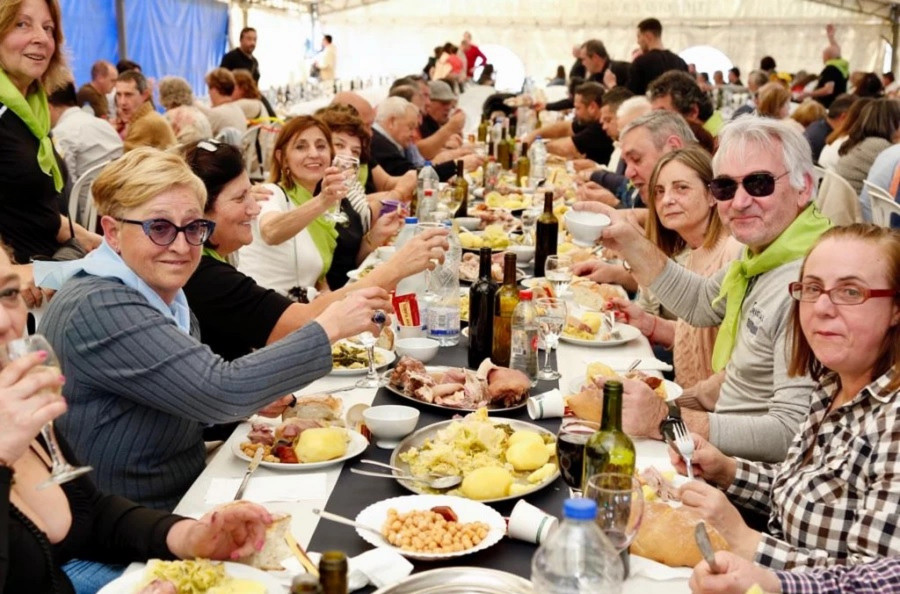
{"x": 439, "y": 483}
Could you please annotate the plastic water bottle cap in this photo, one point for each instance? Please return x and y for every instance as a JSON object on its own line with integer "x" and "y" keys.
{"x": 580, "y": 508}
{"x": 411, "y": 220}
{"x": 427, "y": 163}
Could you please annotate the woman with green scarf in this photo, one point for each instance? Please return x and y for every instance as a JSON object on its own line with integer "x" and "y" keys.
{"x": 293, "y": 243}
{"x": 31, "y": 65}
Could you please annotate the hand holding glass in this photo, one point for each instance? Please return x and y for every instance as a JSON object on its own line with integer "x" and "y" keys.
{"x": 349, "y": 166}
{"x": 368, "y": 340}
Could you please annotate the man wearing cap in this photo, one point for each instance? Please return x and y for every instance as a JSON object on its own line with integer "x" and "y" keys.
{"x": 441, "y": 125}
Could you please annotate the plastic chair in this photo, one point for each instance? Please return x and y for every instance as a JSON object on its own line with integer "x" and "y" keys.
{"x": 883, "y": 205}
{"x": 837, "y": 199}
{"x": 81, "y": 201}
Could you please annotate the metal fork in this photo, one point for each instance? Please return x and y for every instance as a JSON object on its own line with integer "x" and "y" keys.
{"x": 685, "y": 445}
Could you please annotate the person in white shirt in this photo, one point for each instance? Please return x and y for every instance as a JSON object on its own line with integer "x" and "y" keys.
{"x": 327, "y": 60}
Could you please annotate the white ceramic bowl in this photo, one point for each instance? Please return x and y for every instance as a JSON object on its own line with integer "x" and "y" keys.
{"x": 423, "y": 349}
{"x": 470, "y": 223}
{"x": 390, "y": 423}
{"x": 585, "y": 227}
{"x": 524, "y": 253}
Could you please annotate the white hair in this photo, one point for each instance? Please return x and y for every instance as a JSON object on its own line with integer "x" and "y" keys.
{"x": 394, "y": 107}
{"x": 634, "y": 107}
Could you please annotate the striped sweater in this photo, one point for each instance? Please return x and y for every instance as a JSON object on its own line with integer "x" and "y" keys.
{"x": 140, "y": 391}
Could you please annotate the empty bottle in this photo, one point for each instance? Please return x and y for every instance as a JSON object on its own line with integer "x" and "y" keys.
{"x": 523, "y": 337}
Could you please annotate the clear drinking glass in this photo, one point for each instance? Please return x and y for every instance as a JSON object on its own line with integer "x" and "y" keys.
{"x": 62, "y": 471}
{"x": 573, "y": 434}
{"x": 368, "y": 340}
{"x": 558, "y": 271}
{"x": 349, "y": 166}
{"x": 529, "y": 220}
{"x": 551, "y": 317}
{"x": 620, "y": 507}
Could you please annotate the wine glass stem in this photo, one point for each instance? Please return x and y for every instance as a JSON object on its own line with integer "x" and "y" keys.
{"x": 547, "y": 356}
{"x": 370, "y": 351}
{"x": 59, "y": 461}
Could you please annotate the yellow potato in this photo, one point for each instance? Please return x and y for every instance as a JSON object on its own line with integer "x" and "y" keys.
{"x": 542, "y": 473}
{"x": 524, "y": 436}
{"x": 490, "y": 482}
{"x": 519, "y": 489}
{"x": 321, "y": 443}
{"x": 527, "y": 455}
{"x": 470, "y": 240}
{"x": 598, "y": 369}
{"x": 239, "y": 587}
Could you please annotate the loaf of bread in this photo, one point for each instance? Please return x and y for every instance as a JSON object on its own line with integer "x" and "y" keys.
{"x": 591, "y": 295}
{"x": 319, "y": 407}
{"x": 274, "y": 549}
{"x": 667, "y": 535}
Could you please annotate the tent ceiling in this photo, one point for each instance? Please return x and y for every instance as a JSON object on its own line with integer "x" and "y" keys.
{"x": 879, "y": 8}
{"x": 324, "y": 6}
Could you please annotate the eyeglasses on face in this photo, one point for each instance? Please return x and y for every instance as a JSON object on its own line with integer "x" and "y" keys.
{"x": 163, "y": 232}
{"x": 842, "y": 295}
{"x": 757, "y": 184}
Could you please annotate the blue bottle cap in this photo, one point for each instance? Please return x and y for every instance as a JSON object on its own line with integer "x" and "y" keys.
{"x": 411, "y": 220}
{"x": 580, "y": 508}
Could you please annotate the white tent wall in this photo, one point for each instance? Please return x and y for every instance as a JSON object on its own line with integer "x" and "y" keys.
{"x": 280, "y": 43}
{"x": 397, "y": 36}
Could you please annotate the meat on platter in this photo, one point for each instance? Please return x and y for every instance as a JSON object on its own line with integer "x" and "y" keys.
{"x": 461, "y": 388}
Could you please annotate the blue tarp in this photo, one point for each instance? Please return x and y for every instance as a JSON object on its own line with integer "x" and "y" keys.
{"x": 184, "y": 38}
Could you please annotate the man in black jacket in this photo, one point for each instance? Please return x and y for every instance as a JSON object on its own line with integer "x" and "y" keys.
{"x": 654, "y": 59}
{"x": 241, "y": 57}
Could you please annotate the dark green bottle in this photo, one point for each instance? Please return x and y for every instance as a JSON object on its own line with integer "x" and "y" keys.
{"x": 609, "y": 450}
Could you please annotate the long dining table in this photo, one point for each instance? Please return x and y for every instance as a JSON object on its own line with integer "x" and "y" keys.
{"x": 309, "y": 530}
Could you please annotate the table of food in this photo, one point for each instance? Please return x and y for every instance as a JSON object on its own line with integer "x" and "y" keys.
{"x": 457, "y": 469}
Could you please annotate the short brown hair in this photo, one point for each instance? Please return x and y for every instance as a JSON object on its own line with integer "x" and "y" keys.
{"x": 808, "y": 112}
{"x": 57, "y": 73}
{"x": 772, "y": 97}
{"x": 291, "y": 129}
{"x": 245, "y": 82}
{"x": 803, "y": 359}
{"x": 340, "y": 118}
{"x": 174, "y": 92}
{"x": 222, "y": 80}
{"x": 669, "y": 241}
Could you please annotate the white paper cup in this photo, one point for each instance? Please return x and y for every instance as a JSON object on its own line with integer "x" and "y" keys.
{"x": 530, "y": 523}
{"x": 410, "y": 332}
{"x": 547, "y": 405}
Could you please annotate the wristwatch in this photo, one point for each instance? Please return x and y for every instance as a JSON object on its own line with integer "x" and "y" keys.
{"x": 672, "y": 418}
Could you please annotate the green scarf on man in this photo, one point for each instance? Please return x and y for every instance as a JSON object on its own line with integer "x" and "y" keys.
{"x": 35, "y": 112}
{"x": 793, "y": 243}
{"x": 322, "y": 232}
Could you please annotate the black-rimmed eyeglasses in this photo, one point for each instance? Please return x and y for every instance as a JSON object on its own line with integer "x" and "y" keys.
{"x": 163, "y": 232}
{"x": 842, "y": 295}
{"x": 758, "y": 184}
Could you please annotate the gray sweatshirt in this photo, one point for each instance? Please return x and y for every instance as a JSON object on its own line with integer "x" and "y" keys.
{"x": 759, "y": 408}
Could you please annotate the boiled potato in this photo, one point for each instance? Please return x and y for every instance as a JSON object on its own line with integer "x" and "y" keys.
{"x": 524, "y": 436}
{"x": 321, "y": 444}
{"x": 527, "y": 455}
{"x": 542, "y": 473}
{"x": 490, "y": 482}
{"x": 519, "y": 489}
{"x": 470, "y": 240}
{"x": 239, "y": 587}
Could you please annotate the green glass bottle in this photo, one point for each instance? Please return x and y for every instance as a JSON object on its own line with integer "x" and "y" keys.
{"x": 483, "y": 129}
{"x": 505, "y": 302}
{"x": 333, "y": 572}
{"x": 609, "y": 449}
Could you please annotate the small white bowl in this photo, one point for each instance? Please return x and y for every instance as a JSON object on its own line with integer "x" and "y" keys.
{"x": 585, "y": 226}
{"x": 524, "y": 253}
{"x": 470, "y": 223}
{"x": 385, "y": 252}
{"x": 423, "y": 349}
{"x": 390, "y": 423}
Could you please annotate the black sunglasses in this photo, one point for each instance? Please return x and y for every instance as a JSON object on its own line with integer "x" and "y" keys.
{"x": 757, "y": 184}
{"x": 163, "y": 232}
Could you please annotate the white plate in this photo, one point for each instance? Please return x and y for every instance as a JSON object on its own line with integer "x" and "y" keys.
{"x": 354, "y": 274}
{"x": 387, "y": 356}
{"x": 673, "y": 390}
{"x": 355, "y": 447}
{"x": 465, "y": 509}
{"x": 627, "y": 332}
{"x": 129, "y": 582}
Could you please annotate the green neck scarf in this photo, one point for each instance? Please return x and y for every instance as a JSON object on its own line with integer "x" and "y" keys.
{"x": 35, "y": 112}
{"x": 323, "y": 233}
{"x": 792, "y": 244}
{"x": 841, "y": 64}
{"x": 363, "y": 174}
{"x": 208, "y": 251}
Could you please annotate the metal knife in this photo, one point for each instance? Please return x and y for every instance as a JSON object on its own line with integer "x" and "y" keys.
{"x": 254, "y": 463}
{"x": 702, "y": 538}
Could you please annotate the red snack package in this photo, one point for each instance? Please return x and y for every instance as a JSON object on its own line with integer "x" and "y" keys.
{"x": 407, "y": 309}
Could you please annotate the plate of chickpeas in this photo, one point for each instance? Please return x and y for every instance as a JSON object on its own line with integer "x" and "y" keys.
{"x": 432, "y": 527}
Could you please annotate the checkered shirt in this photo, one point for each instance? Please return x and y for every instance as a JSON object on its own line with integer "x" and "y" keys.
{"x": 843, "y": 506}
{"x": 877, "y": 577}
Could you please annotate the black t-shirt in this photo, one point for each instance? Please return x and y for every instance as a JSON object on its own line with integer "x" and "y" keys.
{"x": 236, "y": 315}
{"x": 648, "y": 67}
{"x": 348, "y": 241}
{"x": 428, "y": 126}
{"x": 595, "y": 144}
{"x": 238, "y": 60}
{"x": 831, "y": 74}
{"x": 815, "y": 134}
{"x": 29, "y": 207}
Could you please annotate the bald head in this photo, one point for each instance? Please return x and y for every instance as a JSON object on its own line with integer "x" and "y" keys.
{"x": 363, "y": 107}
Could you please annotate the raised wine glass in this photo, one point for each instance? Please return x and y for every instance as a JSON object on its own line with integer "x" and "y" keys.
{"x": 368, "y": 340}
{"x": 349, "y": 166}
{"x": 620, "y": 507}
{"x": 573, "y": 434}
{"x": 61, "y": 471}
{"x": 551, "y": 317}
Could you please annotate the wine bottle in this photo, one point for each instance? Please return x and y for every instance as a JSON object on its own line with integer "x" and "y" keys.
{"x": 483, "y": 129}
{"x": 504, "y": 304}
{"x": 481, "y": 309}
{"x": 461, "y": 190}
{"x": 503, "y": 151}
{"x": 523, "y": 167}
{"x": 609, "y": 449}
{"x": 333, "y": 572}
{"x": 546, "y": 235}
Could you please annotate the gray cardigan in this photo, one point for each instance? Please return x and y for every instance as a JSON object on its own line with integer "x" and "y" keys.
{"x": 141, "y": 391}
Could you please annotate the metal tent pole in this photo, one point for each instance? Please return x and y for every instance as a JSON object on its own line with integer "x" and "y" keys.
{"x": 120, "y": 26}
{"x": 895, "y": 38}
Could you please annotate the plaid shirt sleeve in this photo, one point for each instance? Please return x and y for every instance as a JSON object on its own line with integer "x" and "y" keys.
{"x": 752, "y": 485}
{"x": 868, "y": 578}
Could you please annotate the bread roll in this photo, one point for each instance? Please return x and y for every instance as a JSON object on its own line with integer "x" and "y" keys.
{"x": 274, "y": 549}
{"x": 667, "y": 535}
{"x": 321, "y": 407}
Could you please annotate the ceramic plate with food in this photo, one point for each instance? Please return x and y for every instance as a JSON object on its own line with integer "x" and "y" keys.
{"x": 351, "y": 359}
{"x": 407, "y": 522}
{"x": 500, "y": 459}
{"x": 322, "y": 446}
{"x": 668, "y": 387}
{"x": 193, "y": 576}
{"x": 620, "y": 334}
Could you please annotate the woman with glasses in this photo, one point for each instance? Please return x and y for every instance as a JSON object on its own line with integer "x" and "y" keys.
{"x": 683, "y": 222}
{"x": 142, "y": 387}
{"x": 836, "y": 496}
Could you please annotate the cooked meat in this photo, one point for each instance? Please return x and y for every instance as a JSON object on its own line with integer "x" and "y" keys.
{"x": 292, "y": 428}
{"x": 261, "y": 433}
{"x": 664, "y": 488}
{"x": 159, "y": 587}
{"x": 509, "y": 386}
{"x": 405, "y": 366}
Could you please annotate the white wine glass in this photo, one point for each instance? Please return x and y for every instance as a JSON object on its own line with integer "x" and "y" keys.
{"x": 551, "y": 317}
{"x": 368, "y": 340}
{"x": 558, "y": 270}
{"x": 349, "y": 166}
{"x": 620, "y": 508}
{"x": 61, "y": 471}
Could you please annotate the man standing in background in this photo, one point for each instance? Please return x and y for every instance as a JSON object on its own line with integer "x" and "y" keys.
{"x": 241, "y": 57}
{"x": 654, "y": 59}
{"x": 327, "y": 60}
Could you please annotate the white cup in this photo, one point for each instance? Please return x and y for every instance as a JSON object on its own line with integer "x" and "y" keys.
{"x": 547, "y": 405}
{"x": 410, "y": 332}
{"x": 530, "y": 523}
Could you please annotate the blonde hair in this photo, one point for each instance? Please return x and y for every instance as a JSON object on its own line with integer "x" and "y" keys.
{"x": 808, "y": 112}
{"x": 57, "y": 74}
{"x": 140, "y": 176}
{"x": 174, "y": 92}
{"x": 772, "y": 98}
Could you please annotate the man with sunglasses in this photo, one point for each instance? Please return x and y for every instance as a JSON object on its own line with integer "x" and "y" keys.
{"x": 763, "y": 184}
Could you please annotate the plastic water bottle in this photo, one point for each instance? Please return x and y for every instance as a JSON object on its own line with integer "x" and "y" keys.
{"x": 415, "y": 283}
{"x": 538, "y": 157}
{"x": 443, "y": 308}
{"x": 523, "y": 341}
{"x": 577, "y": 558}
{"x": 428, "y": 180}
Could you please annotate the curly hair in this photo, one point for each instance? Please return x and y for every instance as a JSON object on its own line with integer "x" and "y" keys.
{"x": 343, "y": 118}
{"x": 684, "y": 92}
